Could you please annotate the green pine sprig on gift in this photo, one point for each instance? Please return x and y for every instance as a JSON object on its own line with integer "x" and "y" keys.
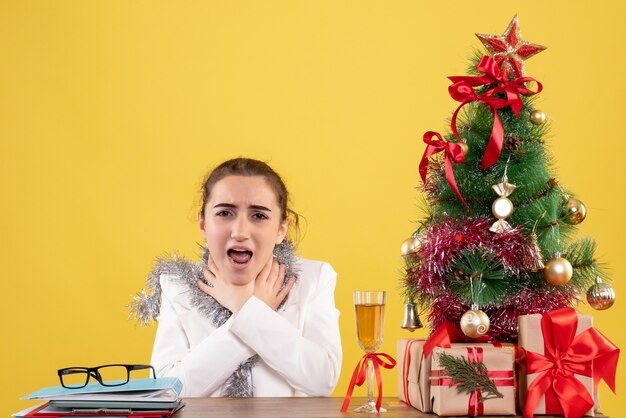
{"x": 468, "y": 377}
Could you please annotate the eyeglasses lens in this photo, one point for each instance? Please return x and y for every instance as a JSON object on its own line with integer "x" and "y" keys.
{"x": 112, "y": 375}
{"x": 74, "y": 378}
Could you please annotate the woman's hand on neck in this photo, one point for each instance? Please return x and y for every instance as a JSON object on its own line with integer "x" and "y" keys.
{"x": 267, "y": 286}
{"x": 225, "y": 292}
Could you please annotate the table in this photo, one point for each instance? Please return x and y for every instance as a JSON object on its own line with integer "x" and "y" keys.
{"x": 293, "y": 408}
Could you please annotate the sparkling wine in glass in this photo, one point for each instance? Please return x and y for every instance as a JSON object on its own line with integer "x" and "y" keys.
{"x": 369, "y": 308}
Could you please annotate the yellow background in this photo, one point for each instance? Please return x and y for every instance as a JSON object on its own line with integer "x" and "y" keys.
{"x": 112, "y": 111}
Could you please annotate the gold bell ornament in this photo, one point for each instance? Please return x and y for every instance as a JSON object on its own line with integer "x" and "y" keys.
{"x": 411, "y": 320}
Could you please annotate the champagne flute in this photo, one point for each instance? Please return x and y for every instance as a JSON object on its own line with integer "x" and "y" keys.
{"x": 369, "y": 308}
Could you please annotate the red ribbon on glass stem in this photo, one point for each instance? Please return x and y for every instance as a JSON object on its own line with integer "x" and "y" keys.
{"x": 360, "y": 374}
{"x": 453, "y": 152}
{"x": 588, "y": 354}
{"x": 463, "y": 91}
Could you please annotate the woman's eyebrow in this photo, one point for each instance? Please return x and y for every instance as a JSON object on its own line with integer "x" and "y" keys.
{"x": 231, "y": 206}
{"x": 259, "y": 207}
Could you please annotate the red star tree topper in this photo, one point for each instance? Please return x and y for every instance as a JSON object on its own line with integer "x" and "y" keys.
{"x": 509, "y": 50}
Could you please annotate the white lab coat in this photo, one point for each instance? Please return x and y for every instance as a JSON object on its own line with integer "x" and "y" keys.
{"x": 299, "y": 345}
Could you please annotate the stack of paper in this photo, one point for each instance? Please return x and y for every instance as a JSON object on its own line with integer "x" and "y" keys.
{"x": 138, "y": 398}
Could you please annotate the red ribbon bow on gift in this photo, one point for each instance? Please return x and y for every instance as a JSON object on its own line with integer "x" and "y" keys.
{"x": 447, "y": 334}
{"x": 463, "y": 91}
{"x": 589, "y": 354}
{"x": 452, "y": 152}
{"x": 360, "y": 373}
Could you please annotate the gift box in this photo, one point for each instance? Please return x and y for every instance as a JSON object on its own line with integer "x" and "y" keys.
{"x": 531, "y": 339}
{"x": 492, "y": 380}
{"x": 565, "y": 358}
{"x": 413, "y": 374}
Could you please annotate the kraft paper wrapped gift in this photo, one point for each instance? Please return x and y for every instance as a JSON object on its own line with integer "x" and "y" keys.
{"x": 500, "y": 363}
{"x": 413, "y": 374}
{"x": 531, "y": 339}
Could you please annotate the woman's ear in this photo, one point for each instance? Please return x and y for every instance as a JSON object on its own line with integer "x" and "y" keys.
{"x": 282, "y": 231}
{"x": 201, "y": 225}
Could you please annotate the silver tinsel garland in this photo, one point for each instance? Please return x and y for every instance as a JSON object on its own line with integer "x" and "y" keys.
{"x": 146, "y": 303}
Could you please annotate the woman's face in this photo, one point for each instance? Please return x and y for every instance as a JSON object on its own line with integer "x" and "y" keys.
{"x": 241, "y": 224}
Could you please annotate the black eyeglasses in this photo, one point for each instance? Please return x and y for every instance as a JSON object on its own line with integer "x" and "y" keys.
{"x": 107, "y": 375}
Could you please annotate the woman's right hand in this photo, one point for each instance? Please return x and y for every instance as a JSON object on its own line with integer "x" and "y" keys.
{"x": 230, "y": 296}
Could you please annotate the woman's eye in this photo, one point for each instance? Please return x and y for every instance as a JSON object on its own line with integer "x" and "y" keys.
{"x": 260, "y": 216}
{"x": 223, "y": 213}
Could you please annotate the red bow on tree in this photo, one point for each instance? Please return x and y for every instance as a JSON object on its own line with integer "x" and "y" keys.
{"x": 588, "y": 354}
{"x": 463, "y": 91}
{"x": 452, "y": 152}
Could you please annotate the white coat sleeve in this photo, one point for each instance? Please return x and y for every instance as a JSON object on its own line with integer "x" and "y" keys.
{"x": 310, "y": 362}
{"x": 203, "y": 368}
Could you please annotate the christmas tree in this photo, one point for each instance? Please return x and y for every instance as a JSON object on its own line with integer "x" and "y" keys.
{"x": 498, "y": 240}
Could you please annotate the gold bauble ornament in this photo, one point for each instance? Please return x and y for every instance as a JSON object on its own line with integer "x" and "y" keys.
{"x": 502, "y": 208}
{"x": 601, "y": 295}
{"x": 558, "y": 271}
{"x": 574, "y": 211}
{"x": 474, "y": 323}
{"x": 537, "y": 117}
{"x": 410, "y": 246}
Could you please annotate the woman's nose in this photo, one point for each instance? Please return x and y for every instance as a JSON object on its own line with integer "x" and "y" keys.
{"x": 240, "y": 230}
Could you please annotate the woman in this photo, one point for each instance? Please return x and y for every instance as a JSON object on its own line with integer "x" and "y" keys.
{"x": 252, "y": 319}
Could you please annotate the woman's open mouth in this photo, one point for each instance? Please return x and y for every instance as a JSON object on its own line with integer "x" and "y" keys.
{"x": 240, "y": 257}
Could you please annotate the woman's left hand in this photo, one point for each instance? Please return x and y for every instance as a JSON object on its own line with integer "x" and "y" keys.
{"x": 267, "y": 286}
